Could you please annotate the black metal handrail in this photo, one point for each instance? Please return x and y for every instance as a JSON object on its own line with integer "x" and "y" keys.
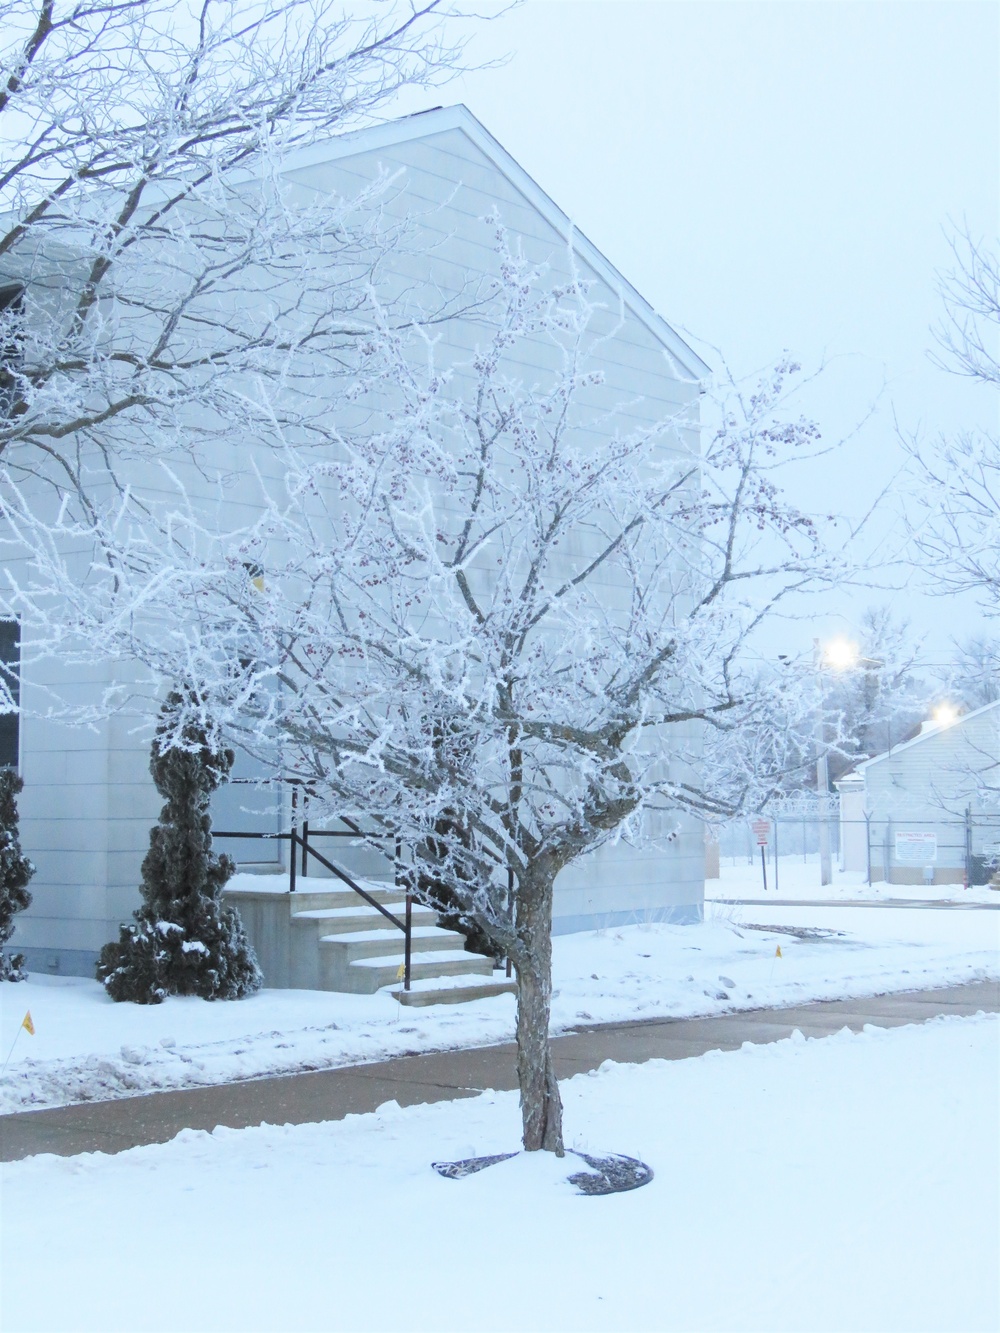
{"x": 301, "y": 839}
{"x": 343, "y": 875}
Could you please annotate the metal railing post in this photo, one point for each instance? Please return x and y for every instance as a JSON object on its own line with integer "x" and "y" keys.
{"x": 776, "y": 853}
{"x": 408, "y": 943}
{"x": 292, "y": 846}
{"x": 408, "y": 917}
{"x": 868, "y": 847}
{"x": 510, "y": 913}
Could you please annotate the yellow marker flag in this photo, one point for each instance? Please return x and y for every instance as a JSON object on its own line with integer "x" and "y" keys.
{"x": 777, "y": 952}
{"x": 401, "y": 972}
{"x": 27, "y": 1024}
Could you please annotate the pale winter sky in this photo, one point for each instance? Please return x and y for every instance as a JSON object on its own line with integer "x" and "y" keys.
{"x": 775, "y": 174}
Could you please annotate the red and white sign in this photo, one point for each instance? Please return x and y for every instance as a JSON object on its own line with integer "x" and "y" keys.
{"x": 762, "y": 831}
{"x": 916, "y": 849}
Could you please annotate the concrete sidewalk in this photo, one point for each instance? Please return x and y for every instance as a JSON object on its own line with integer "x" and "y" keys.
{"x": 936, "y": 904}
{"x": 113, "y": 1126}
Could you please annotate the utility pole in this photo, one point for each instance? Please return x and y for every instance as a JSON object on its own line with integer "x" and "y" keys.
{"x": 822, "y": 776}
{"x": 823, "y": 789}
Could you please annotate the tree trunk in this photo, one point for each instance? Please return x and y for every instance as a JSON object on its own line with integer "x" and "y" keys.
{"x": 541, "y": 1107}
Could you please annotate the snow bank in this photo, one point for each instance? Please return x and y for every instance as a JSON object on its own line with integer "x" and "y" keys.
{"x": 87, "y": 1047}
{"x": 843, "y": 1184}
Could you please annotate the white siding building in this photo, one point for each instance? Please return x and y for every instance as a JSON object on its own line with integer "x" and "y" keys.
{"x": 927, "y": 811}
{"x": 88, "y": 801}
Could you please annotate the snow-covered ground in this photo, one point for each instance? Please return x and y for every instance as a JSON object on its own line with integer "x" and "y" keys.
{"x": 799, "y": 877}
{"x": 86, "y": 1047}
{"x": 844, "y": 1184}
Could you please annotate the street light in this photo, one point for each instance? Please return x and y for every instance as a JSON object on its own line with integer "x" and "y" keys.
{"x": 843, "y": 655}
{"x": 839, "y": 654}
{"x": 945, "y": 714}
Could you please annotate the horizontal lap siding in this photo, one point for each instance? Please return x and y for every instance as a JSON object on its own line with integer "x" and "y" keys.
{"x": 623, "y": 883}
{"x": 936, "y": 777}
{"x": 449, "y": 168}
{"x": 926, "y": 786}
{"x": 89, "y": 801}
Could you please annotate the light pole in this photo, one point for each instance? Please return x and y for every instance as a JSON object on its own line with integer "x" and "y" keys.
{"x": 841, "y": 655}
{"x": 830, "y": 653}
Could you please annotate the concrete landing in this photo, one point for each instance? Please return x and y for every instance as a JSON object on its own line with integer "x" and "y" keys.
{"x": 113, "y": 1126}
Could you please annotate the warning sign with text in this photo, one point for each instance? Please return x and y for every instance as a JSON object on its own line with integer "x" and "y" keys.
{"x": 761, "y": 831}
{"x": 916, "y": 849}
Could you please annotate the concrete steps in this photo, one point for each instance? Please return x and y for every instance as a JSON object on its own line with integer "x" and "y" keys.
{"x": 324, "y": 936}
{"x": 371, "y": 974}
{"x": 358, "y": 951}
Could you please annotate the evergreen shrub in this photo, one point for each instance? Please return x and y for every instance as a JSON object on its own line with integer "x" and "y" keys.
{"x": 183, "y": 940}
{"x": 15, "y": 872}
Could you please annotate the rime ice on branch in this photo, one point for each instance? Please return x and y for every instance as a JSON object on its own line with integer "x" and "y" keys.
{"x": 150, "y": 260}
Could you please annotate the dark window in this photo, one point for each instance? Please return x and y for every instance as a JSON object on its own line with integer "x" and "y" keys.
{"x": 11, "y": 311}
{"x": 10, "y": 673}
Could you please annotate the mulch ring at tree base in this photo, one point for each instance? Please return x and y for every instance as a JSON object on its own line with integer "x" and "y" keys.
{"x": 612, "y": 1173}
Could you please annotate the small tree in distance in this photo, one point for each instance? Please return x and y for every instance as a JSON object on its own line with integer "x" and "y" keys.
{"x": 974, "y": 677}
{"x": 15, "y": 873}
{"x": 184, "y": 939}
{"x": 954, "y": 506}
{"x": 877, "y": 701}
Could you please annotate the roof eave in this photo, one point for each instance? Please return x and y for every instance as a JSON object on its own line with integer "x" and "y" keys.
{"x": 926, "y": 736}
{"x": 459, "y": 117}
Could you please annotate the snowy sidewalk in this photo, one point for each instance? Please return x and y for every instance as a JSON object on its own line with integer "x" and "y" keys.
{"x": 87, "y": 1049}
{"x": 114, "y": 1126}
{"x": 943, "y": 905}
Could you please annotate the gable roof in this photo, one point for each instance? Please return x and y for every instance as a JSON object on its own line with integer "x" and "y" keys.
{"x": 426, "y": 124}
{"x": 925, "y": 736}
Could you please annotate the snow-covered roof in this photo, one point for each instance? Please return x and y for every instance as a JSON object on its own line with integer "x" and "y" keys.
{"x": 426, "y": 124}
{"x": 926, "y": 733}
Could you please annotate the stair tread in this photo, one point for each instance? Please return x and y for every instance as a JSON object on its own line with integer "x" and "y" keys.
{"x": 436, "y": 958}
{"x": 359, "y": 909}
{"x": 475, "y": 988}
{"x": 326, "y": 885}
{"x": 462, "y": 981}
{"x": 390, "y": 934}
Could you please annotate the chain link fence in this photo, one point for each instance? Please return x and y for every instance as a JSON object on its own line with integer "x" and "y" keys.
{"x": 892, "y": 849}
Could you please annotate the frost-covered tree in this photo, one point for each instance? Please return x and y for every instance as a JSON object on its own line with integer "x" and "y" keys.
{"x": 184, "y": 940}
{"x": 955, "y": 504}
{"x": 498, "y": 620}
{"x": 974, "y": 679}
{"x": 15, "y": 873}
{"x": 873, "y": 699}
{"x": 151, "y": 272}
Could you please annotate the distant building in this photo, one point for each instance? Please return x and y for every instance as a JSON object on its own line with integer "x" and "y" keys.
{"x": 927, "y": 811}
